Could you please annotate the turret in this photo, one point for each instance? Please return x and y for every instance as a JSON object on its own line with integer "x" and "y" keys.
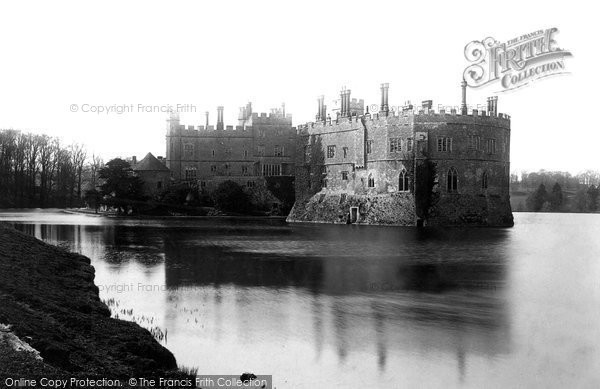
{"x": 172, "y": 122}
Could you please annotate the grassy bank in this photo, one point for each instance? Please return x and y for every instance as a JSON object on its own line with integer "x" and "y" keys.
{"x": 49, "y": 300}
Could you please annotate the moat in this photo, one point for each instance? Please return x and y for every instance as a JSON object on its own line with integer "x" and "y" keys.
{"x": 353, "y": 306}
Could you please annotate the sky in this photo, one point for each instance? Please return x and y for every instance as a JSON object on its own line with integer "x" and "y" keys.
{"x": 59, "y": 59}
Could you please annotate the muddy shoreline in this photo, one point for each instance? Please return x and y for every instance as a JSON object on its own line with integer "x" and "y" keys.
{"x": 48, "y": 301}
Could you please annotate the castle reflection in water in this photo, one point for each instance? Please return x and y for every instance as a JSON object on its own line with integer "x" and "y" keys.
{"x": 322, "y": 295}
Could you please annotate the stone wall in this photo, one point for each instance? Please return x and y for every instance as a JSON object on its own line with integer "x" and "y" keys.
{"x": 235, "y": 152}
{"x": 345, "y": 153}
{"x": 327, "y": 207}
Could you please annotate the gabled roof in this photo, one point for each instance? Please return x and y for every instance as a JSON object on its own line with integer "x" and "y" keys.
{"x": 150, "y": 163}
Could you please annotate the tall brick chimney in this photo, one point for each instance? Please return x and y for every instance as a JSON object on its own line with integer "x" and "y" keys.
{"x": 320, "y": 113}
{"x": 206, "y": 113}
{"x": 283, "y": 109}
{"x": 347, "y": 102}
{"x": 463, "y": 104}
{"x": 492, "y": 105}
{"x": 220, "y": 117}
{"x": 385, "y": 108}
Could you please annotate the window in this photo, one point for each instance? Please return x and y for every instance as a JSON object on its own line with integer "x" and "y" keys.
{"x": 475, "y": 142}
{"x": 324, "y": 181}
{"x": 203, "y": 184}
{"x": 190, "y": 173}
{"x": 395, "y": 145}
{"x": 227, "y": 172}
{"x": 261, "y": 133}
{"x": 250, "y": 184}
{"x": 213, "y": 168}
{"x": 452, "y": 180}
{"x": 159, "y": 185}
{"x": 330, "y": 151}
{"x": 278, "y": 152}
{"x": 188, "y": 149}
{"x": 345, "y": 176}
{"x": 484, "y": 180}
{"x": 371, "y": 182}
{"x": 491, "y": 146}
{"x": 213, "y": 153}
{"x": 403, "y": 181}
{"x": 444, "y": 144}
{"x": 228, "y": 151}
{"x": 369, "y": 146}
{"x": 261, "y": 150}
{"x": 409, "y": 144}
{"x": 345, "y": 150}
{"x": 271, "y": 170}
{"x": 244, "y": 170}
{"x": 245, "y": 153}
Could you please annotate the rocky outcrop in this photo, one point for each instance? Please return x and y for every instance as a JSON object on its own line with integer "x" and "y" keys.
{"x": 385, "y": 209}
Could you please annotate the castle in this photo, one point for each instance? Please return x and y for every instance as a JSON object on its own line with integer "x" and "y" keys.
{"x": 404, "y": 167}
{"x": 259, "y": 146}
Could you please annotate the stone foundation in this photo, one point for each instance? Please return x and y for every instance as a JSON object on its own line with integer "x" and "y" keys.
{"x": 383, "y": 209}
{"x": 471, "y": 210}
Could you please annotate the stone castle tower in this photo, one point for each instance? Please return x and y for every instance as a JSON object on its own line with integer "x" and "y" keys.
{"x": 259, "y": 146}
{"x": 404, "y": 166}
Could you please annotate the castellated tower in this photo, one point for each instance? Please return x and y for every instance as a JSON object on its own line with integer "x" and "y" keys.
{"x": 404, "y": 166}
{"x": 260, "y": 147}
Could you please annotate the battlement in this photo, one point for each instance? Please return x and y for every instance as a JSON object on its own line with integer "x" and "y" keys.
{"x": 199, "y": 131}
{"x": 404, "y": 118}
{"x": 273, "y": 117}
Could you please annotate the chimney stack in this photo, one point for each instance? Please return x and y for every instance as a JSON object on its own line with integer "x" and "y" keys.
{"x": 220, "y": 117}
{"x": 385, "y": 108}
{"x": 343, "y": 102}
{"x": 283, "y": 109}
{"x": 206, "y": 113}
{"x": 463, "y": 105}
{"x": 346, "y": 105}
{"x": 320, "y": 110}
{"x": 492, "y": 105}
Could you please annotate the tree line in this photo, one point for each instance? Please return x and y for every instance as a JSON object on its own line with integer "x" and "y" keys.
{"x": 530, "y": 181}
{"x": 585, "y": 199}
{"x": 40, "y": 171}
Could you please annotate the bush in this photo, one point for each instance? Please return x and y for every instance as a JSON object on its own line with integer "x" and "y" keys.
{"x": 230, "y": 197}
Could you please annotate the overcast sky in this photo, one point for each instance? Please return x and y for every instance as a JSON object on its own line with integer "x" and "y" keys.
{"x": 209, "y": 53}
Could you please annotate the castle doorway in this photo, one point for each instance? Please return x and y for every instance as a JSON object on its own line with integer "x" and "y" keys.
{"x": 353, "y": 214}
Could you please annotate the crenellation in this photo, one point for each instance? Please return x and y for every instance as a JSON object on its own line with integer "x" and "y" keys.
{"x": 375, "y": 162}
{"x": 260, "y": 146}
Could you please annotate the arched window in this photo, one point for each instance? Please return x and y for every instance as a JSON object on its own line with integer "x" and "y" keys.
{"x": 403, "y": 181}
{"x": 371, "y": 181}
{"x": 452, "y": 180}
{"x": 484, "y": 180}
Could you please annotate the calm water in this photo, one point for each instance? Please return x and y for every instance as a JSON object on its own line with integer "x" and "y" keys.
{"x": 320, "y": 306}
